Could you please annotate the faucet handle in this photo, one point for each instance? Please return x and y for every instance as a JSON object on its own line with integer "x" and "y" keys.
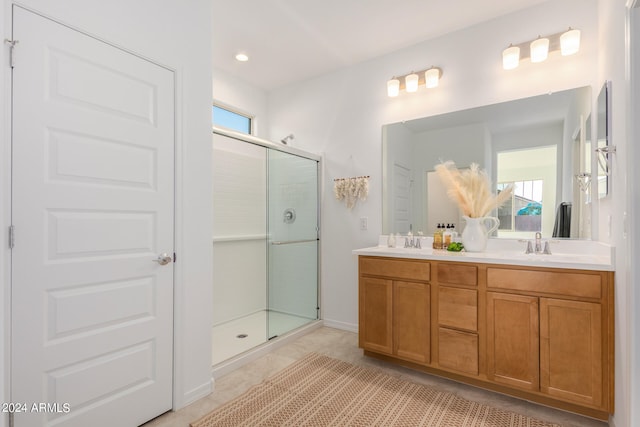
{"x": 529, "y": 249}
{"x": 547, "y": 250}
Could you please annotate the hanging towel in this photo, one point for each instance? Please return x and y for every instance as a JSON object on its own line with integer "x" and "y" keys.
{"x": 562, "y": 227}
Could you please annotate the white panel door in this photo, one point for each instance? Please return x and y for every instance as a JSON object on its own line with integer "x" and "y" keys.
{"x": 92, "y": 207}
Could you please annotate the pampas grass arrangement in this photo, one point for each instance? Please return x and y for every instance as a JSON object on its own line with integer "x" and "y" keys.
{"x": 471, "y": 189}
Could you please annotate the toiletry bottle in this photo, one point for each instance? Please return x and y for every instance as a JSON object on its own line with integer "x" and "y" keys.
{"x": 454, "y": 234}
{"x": 391, "y": 240}
{"x": 446, "y": 237}
{"x": 437, "y": 238}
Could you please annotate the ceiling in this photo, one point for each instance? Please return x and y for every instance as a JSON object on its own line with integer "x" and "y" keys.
{"x": 293, "y": 40}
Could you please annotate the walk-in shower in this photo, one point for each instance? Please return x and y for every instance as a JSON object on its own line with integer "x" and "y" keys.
{"x": 265, "y": 242}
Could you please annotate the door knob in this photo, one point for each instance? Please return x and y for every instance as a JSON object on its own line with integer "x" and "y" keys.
{"x": 163, "y": 259}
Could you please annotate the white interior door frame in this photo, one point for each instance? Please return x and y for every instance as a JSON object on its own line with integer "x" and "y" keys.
{"x": 5, "y": 210}
{"x": 181, "y": 397}
{"x": 632, "y": 219}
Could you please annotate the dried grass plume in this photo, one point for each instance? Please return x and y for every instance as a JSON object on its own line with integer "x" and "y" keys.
{"x": 471, "y": 189}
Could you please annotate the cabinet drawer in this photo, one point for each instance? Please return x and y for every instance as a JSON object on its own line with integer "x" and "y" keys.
{"x": 568, "y": 284}
{"x": 457, "y": 274}
{"x": 458, "y": 350}
{"x": 458, "y": 308}
{"x": 395, "y": 268}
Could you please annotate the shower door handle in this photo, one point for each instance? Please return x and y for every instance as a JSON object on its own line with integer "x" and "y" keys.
{"x": 289, "y": 242}
{"x": 163, "y": 259}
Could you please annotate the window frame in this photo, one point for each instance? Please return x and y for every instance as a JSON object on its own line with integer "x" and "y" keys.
{"x": 236, "y": 111}
{"x": 500, "y": 186}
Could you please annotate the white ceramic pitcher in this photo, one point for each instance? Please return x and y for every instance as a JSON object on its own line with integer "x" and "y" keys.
{"x": 476, "y": 232}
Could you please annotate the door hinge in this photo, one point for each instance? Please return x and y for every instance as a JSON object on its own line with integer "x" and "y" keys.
{"x": 12, "y": 236}
{"x": 12, "y": 56}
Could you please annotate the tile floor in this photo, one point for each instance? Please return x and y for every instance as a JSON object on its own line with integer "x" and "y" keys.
{"x": 344, "y": 345}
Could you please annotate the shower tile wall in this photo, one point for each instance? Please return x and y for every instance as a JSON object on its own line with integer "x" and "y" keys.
{"x": 239, "y": 226}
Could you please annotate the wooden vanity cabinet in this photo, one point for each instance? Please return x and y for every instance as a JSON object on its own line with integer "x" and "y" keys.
{"x": 513, "y": 336}
{"x": 542, "y": 334}
{"x": 458, "y": 341}
{"x": 395, "y": 307}
{"x": 550, "y": 331}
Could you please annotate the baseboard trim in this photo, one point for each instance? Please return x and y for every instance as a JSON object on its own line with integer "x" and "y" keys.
{"x": 197, "y": 393}
{"x": 351, "y": 327}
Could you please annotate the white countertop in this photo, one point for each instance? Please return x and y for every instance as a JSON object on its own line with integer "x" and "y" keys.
{"x": 572, "y": 254}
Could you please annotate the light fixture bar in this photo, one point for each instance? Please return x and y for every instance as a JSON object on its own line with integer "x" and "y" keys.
{"x": 554, "y": 45}
{"x": 421, "y": 77}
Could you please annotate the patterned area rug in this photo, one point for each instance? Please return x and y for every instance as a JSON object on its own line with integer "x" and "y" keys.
{"x": 320, "y": 391}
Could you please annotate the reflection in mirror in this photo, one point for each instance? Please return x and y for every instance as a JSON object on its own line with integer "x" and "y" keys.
{"x": 582, "y": 193}
{"x": 532, "y": 143}
{"x": 603, "y": 132}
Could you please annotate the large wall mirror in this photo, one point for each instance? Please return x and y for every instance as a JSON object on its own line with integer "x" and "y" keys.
{"x": 603, "y": 143}
{"x": 539, "y": 144}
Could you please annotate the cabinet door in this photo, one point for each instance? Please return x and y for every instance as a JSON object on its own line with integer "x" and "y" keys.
{"x": 513, "y": 340}
{"x": 375, "y": 314}
{"x": 411, "y": 321}
{"x": 571, "y": 350}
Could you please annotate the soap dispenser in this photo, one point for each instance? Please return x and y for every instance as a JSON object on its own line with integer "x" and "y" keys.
{"x": 391, "y": 240}
{"x": 437, "y": 237}
{"x": 447, "y": 237}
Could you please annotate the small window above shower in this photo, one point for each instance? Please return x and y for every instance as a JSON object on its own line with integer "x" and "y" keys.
{"x": 229, "y": 118}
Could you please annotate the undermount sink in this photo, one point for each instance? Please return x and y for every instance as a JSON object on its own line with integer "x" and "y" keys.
{"x": 560, "y": 257}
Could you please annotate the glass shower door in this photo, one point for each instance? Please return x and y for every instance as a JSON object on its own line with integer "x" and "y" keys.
{"x": 292, "y": 289}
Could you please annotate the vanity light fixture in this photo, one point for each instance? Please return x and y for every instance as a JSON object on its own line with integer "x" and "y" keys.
{"x": 568, "y": 43}
{"x": 393, "y": 87}
{"x": 411, "y": 82}
{"x": 584, "y": 181}
{"x": 432, "y": 77}
{"x": 510, "y": 57}
{"x": 242, "y": 57}
{"x": 539, "y": 49}
{"x": 604, "y": 157}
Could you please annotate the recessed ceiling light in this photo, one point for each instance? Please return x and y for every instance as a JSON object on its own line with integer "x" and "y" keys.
{"x": 242, "y": 57}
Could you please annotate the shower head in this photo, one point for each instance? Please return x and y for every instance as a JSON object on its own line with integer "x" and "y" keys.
{"x": 286, "y": 139}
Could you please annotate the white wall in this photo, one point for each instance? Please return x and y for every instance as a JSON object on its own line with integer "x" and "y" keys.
{"x": 612, "y": 65}
{"x": 176, "y": 34}
{"x": 633, "y": 248}
{"x": 341, "y": 115}
{"x": 233, "y": 92}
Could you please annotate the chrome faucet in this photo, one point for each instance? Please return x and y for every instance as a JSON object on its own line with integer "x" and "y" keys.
{"x": 538, "y": 243}
{"x": 529, "y": 249}
{"x": 412, "y": 242}
{"x": 538, "y": 246}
